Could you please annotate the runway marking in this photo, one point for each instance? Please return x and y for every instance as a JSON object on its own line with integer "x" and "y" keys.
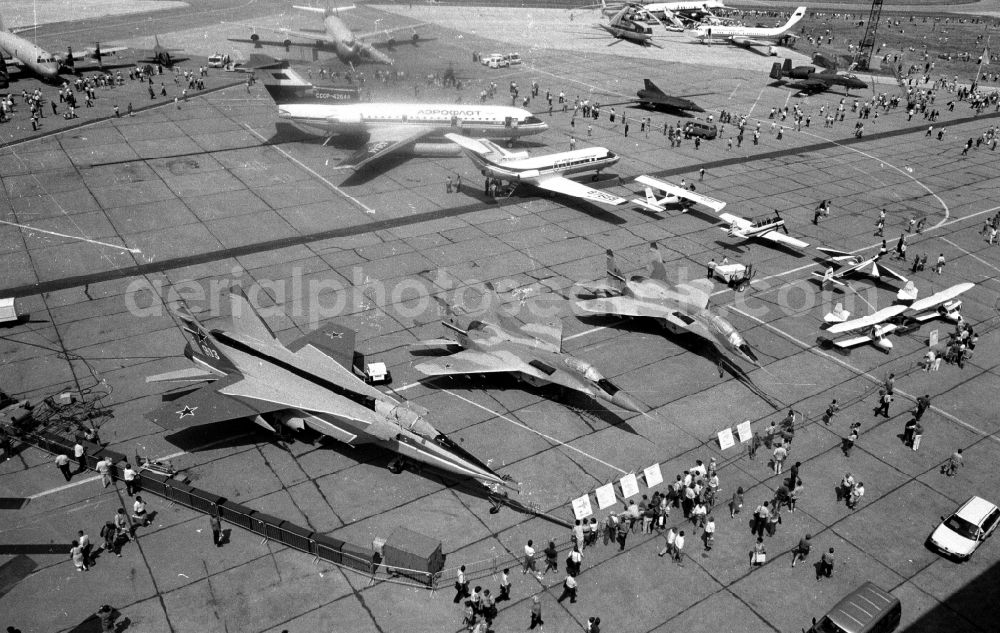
{"x": 73, "y": 237}
{"x": 971, "y": 254}
{"x": 528, "y": 428}
{"x": 733, "y": 93}
{"x": 754, "y": 104}
{"x": 577, "y": 81}
{"x": 815, "y": 350}
{"x": 314, "y": 173}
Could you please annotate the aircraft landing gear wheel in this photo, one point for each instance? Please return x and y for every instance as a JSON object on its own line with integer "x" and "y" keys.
{"x": 743, "y": 286}
{"x": 510, "y": 143}
{"x": 396, "y": 466}
{"x": 594, "y": 177}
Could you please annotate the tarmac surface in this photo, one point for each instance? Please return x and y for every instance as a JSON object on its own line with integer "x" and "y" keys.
{"x": 107, "y": 222}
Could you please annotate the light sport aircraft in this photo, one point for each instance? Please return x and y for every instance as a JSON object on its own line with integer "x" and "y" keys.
{"x": 748, "y": 36}
{"x": 880, "y": 324}
{"x": 770, "y": 228}
{"x": 496, "y": 342}
{"x": 24, "y": 53}
{"x": 336, "y": 37}
{"x": 391, "y": 127}
{"x": 852, "y": 265}
{"x": 672, "y": 195}
{"x": 545, "y": 172}
{"x": 679, "y": 307}
{"x": 811, "y": 81}
{"x": 308, "y": 384}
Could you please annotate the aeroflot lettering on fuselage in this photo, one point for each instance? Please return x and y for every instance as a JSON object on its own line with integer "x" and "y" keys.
{"x": 450, "y": 112}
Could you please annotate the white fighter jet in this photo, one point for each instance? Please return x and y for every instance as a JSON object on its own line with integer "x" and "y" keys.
{"x": 681, "y": 307}
{"x": 672, "y": 195}
{"x": 771, "y": 228}
{"x": 852, "y": 265}
{"x": 546, "y": 171}
{"x": 879, "y": 325}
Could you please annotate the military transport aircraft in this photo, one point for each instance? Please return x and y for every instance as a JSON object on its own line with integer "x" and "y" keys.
{"x": 681, "y": 307}
{"x": 652, "y": 98}
{"x": 749, "y": 36}
{"x": 338, "y": 38}
{"x": 878, "y": 325}
{"x": 391, "y": 127}
{"x": 546, "y": 171}
{"x": 252, "y": 375}
{"x": 811, "y": 81}
{"x": 672, "y": 195}
{"x": 496, "y": 342}
{"x": 852, "y": 265}
{"x": 771, "y": 228}
{"x": 24, "y": 53}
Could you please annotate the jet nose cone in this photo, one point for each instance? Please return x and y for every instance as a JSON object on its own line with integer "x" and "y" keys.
{"x": 748, "y": 354}
{"x": 626, "y": 402}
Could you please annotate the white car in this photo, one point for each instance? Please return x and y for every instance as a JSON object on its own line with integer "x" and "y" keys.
{"x": 960, "y": 534}
{"x": 496, "y": 60}
{"x": 513, "y": 59}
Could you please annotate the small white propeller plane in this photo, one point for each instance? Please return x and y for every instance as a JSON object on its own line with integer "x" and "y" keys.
{"x": 546, "y": 171}
{"x": 852, "y": 264}
{"x": 672, "y": 195}
{"x": 877, "y": 326}
{"x": 771, "y": 228}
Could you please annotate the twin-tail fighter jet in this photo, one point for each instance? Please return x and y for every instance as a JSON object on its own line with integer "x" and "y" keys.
{"x": 545, "y": 172}
{"x": 496, "y": 342}
{"x": 681, "y": 307}
{"x": 879, "y": 325}
{"x": 251, "y": 375}
{"x": 337, "y": 38}
{"x": 811, "y": 81}
{"x": 660, "y": 194}
{"x": 849, "y": 265}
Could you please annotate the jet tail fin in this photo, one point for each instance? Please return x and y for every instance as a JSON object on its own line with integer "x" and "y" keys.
{"x": 656, "y": 266}
{"x": 496, "y": 310}
{"x": 615, "y": 277}
{"x": 775, "y": 71}
{"x": 204, "y": 343}
{"x": 787, "y": 66}
{"x": 281, "y": 82}
{"x": 652, "y": 87}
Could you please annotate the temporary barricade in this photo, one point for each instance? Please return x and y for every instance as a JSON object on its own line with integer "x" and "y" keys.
{"x": 329, "y": 548}
{"x": 204, "y": 501}
{"x": 355, "y": 557}
{"x": 298, "y": 537}
{"x": 236, "y": 514}
{"x": 154, "y": 483}
{"x": 265, "y": 524}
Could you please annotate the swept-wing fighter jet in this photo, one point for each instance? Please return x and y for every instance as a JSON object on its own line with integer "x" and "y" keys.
{"x": 679, "y": 307}
{"x": 771, "y": 228}
{"x": 849, "y": 264}
{"x": 672, "y": 195}
{"x": 252, "y": 375}
{"x": 546, "y": 171}
{"x": 652, "y": 98}
{"x": 811, "y": 81}
{"x": 877, "y": 326}
{"x": 336, "y": 37}
{"x": 160, "y": 54}
{"x": 748, "y": 36}
{"x": 496, "y": 342}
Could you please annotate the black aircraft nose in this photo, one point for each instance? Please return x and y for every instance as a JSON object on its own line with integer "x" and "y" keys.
{"x": 749, "y": 353}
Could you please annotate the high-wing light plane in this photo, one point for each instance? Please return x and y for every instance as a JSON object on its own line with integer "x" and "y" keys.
{"x": 391, "y": 127}
{"x": 749, "y": 36}
{"x": 770, "y": 228}
{"x": 811, "y": 81}
{"x": 852, "y": 265}
{"x": 679, "y": 307}
{"x": 496, "y": 342}
{"x": 652, "y": 98}
{"x": 545, "y": 172}
{"x": 26, "y": 54}
{"x": 308, "y": 384}
{"x": 336, "y": 37}
{"x": 880, "y": 324}
{"x": 672, "y": 195}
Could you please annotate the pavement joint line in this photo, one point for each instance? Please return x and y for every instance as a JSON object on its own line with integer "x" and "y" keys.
{"x": 865, "y": 374}
{"x": 528, "y": 428}
{"x": 66, "y": 486}
{"x": 313, "y": 172}
{"x": 971, "y": 254}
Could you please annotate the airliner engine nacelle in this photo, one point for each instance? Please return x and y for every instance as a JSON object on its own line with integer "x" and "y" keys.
{"x": 256, "y": 40}
{"x": 288, "y": 45}
{"x": 528, "y": 174}
{"x": 415, "y": 38}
